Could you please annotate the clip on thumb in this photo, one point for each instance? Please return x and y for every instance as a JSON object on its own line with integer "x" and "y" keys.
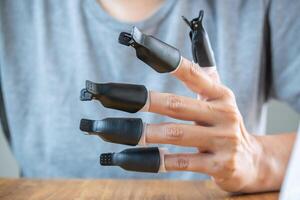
{"x": 201, "y": 47}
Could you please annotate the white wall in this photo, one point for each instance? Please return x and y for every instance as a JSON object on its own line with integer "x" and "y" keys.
{"x": 8, "y": 165}
{"x": 280, "y": 119}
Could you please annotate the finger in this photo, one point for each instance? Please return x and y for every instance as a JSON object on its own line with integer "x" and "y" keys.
{"x": 180, "y": 134}
{"x": 180, "y": 107}
{"x": 195, "y": 162}
{"x": 195, "y": 79}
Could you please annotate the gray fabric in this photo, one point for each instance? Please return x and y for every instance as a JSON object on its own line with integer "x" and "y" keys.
{"x": 49, "y": 48}
{"x": 3, "y": 117}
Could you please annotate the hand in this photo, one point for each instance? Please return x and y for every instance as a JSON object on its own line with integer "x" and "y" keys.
{"x": 227, "y": 152}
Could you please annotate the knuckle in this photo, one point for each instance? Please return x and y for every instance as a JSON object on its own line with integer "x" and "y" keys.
{"x": 235, "y": 150}
{"x": 228, "y": 92}
{"x": 231, "y": 141}
{"x": 215, "y": 167}
{"x": 235, "y": 145}
{"x": 201, "y": 91}
{"x": 193, "y": 69}
{"x": 232, "y": 138}
{"x": 173, "y": 132}
{"x": 174, "y": 103}
{"x": 182, "y": 163}
{"x": 213, "y": 86}
{"x": 234, "y": 141}
{"x": 230, "y": 166}
{"x": 233, "y": 117}
{"x": 210, "y": 108}
{"x": 230, "y": 112}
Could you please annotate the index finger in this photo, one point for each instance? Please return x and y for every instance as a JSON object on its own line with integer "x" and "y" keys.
{"x": 195, "y": 79}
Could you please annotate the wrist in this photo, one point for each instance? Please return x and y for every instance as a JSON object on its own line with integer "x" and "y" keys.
{"x": 259, "y": 176}
{"x": 265, "y": 167}
{"x": 268, "y": 174}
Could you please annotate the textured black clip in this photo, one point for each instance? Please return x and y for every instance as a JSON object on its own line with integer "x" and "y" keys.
{"x": 135, "y": 159}
{"x": 201, "y": 48}
{"x": 126, "y": 131}
{"x": 155, "y": 53}
{"x": 85, "y": 95}
{"x": 92, "y": 90}
{"x": 126, "y": 39}
{"x": 126, "y": 97}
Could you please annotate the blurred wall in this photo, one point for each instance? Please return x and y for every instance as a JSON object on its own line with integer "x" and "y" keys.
{"x": 280, "y": 119}
{"x": 8, "y": 165}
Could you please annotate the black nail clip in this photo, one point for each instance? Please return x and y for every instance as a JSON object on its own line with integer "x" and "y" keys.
{"x": 201, "y": 48}
{"x": 126, "y": 131}
{"x": 160, "y": 56}
{"x": 126, "y": 97}
{"x": 131, "y": 98}
{"x": 135, "y": 159}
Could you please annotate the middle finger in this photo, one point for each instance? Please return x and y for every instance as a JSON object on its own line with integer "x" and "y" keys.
{"x": 180, "y": 107}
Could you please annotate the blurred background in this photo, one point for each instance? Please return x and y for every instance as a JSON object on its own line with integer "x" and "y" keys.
{"x": 280, "y": 118}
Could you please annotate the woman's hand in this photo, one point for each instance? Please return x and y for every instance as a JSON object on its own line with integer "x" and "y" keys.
{"x": 235, "y": 159}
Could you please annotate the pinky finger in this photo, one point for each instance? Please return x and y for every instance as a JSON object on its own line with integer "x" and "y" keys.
{"x": 195, "y": 162}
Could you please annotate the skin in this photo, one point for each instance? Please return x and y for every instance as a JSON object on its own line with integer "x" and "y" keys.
{"x": 130, "y": 10}
{"x": 237, "y": 160}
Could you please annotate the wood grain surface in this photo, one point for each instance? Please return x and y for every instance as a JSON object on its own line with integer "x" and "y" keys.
{"x": 15, "y": 189}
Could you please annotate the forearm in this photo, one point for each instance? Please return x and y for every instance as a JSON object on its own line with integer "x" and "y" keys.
{"x": 272, "y": 161}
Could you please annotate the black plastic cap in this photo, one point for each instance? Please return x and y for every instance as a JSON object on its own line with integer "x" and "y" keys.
{"x": 86, "y": 125}
{"x": 106, "y": 159}
{"x": 127, "y": 131}
{"x": 91, "y": 87}
{"x": 134, "y": 159}
{"x": 85, "y": 95}
{"x": 201, "y": 47}
{"x": 120, "y": 96}
{"x": 125, "y": 39}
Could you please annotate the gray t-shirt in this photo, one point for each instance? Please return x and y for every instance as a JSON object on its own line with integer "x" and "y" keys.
{"x": 49, "y": 48}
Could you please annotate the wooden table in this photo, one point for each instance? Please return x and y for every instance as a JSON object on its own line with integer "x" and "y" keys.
{"x": 15, "y": 189}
